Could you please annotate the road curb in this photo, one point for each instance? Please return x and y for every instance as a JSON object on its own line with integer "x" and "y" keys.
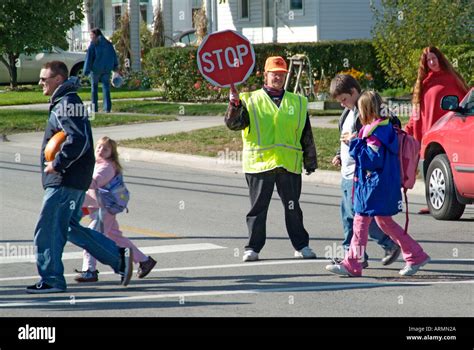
{"x": 221, "y": 164}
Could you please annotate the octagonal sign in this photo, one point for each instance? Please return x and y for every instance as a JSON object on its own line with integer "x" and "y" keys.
{"x": 225, "y": 58}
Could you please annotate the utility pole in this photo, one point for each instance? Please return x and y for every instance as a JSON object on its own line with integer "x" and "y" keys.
{"x": 275, "y": 21}
{"x": 209, "y": 16}
{"x": 134, "y": 11}
{"x": 214, "y": 15}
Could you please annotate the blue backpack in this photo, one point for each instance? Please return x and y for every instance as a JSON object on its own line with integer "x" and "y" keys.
{"x": 114, "y": 196}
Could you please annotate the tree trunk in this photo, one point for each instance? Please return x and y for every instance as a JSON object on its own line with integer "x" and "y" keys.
{"x": 13, "y": 71}
{"x": 158, "y": 36}
{"x": 11, "y": 66}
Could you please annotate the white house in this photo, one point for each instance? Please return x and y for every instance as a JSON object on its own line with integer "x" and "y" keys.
{"x": 261, "y": 21}
{"x": 266, "y": 21}
{"x": 106, "y": 14}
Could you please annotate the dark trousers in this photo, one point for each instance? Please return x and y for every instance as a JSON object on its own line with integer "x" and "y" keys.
{"x": 261, "y": 189}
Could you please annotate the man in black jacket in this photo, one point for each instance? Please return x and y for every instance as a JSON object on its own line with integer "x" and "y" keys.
{"x": 65, "y": 180}
{"x": 278, "y": 142}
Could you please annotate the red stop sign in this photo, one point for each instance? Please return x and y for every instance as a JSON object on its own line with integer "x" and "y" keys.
{"x": 225, "y": 58}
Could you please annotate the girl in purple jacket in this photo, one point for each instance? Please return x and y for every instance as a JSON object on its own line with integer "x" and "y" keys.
{"x": 377, "y": 192}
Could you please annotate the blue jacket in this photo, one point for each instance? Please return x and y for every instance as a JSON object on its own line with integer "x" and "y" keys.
{"x": 100, "y": 58}
{"x": 75, "y": 161}
{"x": 377, "y": 174}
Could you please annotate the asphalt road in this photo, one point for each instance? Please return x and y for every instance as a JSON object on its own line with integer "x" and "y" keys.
{"x": 193, "y": 223}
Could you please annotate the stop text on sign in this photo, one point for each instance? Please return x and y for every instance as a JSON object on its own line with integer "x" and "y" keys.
{"x": 225, "y": 58}
{"x": 232, "y": 57}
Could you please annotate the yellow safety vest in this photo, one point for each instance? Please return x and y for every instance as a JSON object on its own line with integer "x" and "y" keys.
{"x": 273, "y": 138}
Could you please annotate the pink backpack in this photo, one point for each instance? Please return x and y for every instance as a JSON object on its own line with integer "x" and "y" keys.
{"x": 409, "y": 155}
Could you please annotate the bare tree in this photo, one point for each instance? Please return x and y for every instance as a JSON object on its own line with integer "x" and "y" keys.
{"x": 121, "y": 41}
{"x": 200, "y": 22}
{"x": 158, "y": 36}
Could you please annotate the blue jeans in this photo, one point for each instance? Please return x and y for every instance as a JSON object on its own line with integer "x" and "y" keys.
{"x": 347, "y": 217}
{"x": 104, "y": 78}
{"x": 59, "y": 223}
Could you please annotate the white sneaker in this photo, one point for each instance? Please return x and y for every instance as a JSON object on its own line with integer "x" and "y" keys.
{"x": 250, "y": 255}
{"x": 338, "y": 269}
{"x": 410, "y": 270}
{"x": 305, "y": 253}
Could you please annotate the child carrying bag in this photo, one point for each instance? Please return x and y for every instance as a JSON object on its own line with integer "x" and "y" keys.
{"x": 409, "y": 155}
{"x": 114, "y": 196}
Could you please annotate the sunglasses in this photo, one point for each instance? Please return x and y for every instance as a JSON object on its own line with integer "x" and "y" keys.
{"x": 42, "y": 79}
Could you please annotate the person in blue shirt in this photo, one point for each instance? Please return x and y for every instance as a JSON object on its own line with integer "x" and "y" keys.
{"x": 101, "y": 59}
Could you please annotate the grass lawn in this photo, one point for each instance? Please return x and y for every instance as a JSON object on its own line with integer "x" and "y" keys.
{"x": 189, "y": 109}
{"x": 209, "y": 142}
{"x": 183, "y": 109}
{"x": 36, "y": 95}
{"x": 15, "y": 121}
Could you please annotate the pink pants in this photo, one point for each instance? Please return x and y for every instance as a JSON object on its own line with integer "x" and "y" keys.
{"x": 412, "y": 252}
{"x": 112, "y": 231}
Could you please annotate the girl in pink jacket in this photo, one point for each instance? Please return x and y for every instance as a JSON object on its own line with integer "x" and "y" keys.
{"x": 107, "y": 166}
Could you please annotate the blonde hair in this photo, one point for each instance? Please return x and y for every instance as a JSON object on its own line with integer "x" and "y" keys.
{"x": 114, "y": 157}
{"x": 369, "y": 105}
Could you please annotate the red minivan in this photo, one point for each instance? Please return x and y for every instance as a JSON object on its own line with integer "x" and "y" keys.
{"x": 447, "y": 159}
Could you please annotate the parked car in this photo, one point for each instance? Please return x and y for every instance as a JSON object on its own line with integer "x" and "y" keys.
{"x": 30, "y": 65}
{"x": 447, "y": 159}
{"x": 185, "y": 38}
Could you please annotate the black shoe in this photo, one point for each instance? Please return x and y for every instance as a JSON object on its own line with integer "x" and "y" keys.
{"x": 127, "y": 266}
{"x": 145, "y": 267}
{"x": 391, "y": 255}
{"x": 43, "y": 288}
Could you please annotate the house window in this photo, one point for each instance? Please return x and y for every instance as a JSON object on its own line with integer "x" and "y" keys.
{"x": 296, "y": 5}
{"x": 97, "y": 14}
{"x": 143, "y": 13}
{"x": 269, "y": 13}
{"x": 117, "y": 16}
{"x": 244, "y": 9}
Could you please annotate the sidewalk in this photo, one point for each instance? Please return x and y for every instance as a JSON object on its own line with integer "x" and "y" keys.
{"x": 45, "y": 106}
{"x": 185, "y": 124}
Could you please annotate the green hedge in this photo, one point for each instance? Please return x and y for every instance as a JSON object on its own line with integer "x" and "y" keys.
{"x": 175, "y": 69}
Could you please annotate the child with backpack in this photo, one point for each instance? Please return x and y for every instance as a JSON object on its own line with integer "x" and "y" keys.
{"x": 346, "y": 90}
{"x": 377, "y": 192}
{"x": 107, "y": 170}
